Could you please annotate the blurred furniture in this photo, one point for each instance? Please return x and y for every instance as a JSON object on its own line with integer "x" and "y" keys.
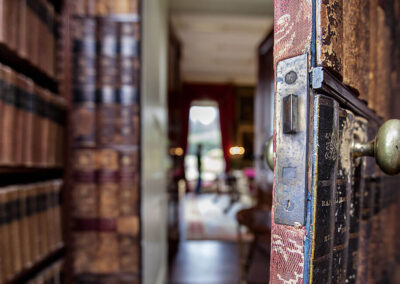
{"x": 257, "y": 220}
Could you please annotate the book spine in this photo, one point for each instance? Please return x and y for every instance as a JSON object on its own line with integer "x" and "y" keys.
{"x": 27, "y": 127}
{"x": 57, "y": 212}
{"x": 84, "y": 210}
{"x": 45, "y": 128}
{"x": 37, "y": 124}
{"x": 15, "y": 234}
{"x": 108, "y": 261}
{"x": 324, "y": 191}
{"x": 24, "y": 228}
{"x": 32, "y": 37}
{"x": 2, "y": 114}
{"x": 42, "y": 217}
{"x": 128, "y": 224}
{"x": 107, "y": 84}
{"x": 51, "y": 228}
{"x": 3, "y": 22}
{"x": 33, "y": 212}
{"x": 343, "y": 191}
{"x": 4, "y": 244}
{"x": 60, "y": 119}
{"x": 355, "y": 210}
{"x": 19, "y": 117}
{"x": 51, "y": 149}
{"x": 23, "y": 29}
{"x": 127, "y": 122}
{"x": 9, "y": 109}
{"x": 84, "y": 80}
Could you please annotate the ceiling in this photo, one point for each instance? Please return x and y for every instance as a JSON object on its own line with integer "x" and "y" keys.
{"x": 220, "y": 40}
{"x": 239, "y": 7}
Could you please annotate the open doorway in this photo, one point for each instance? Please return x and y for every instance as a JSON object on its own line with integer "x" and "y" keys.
{"x": 215, "y": 101}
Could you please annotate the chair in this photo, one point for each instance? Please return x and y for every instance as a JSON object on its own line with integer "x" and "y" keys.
{"x": 257, "y": 220}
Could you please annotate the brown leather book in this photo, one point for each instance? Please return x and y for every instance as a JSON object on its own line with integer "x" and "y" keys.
{"x": 128, "y": 220}
{"x": 125, "y": 7}
{"x": 129, "y": 253}
{"x": 107, "y": 83}
{"x": 33, "y": 223}
{"x": 41, "y": 14}
{"x": 5, "y": 249}
{"x": 44, "y": 149}
{"x": 8, "y": 118}
{"x": 23, "y": 28}
{"x": 2, "y": 105}
{"x": 51, "y": 229}
{"x": 12, "y": 18}
{"x": 84, "y": 210}
{"x": 57, "y": 212}
{"x": 127, "y": 126}
{"x": 3, "y": 21}
{"x": 52, "y": 125}
{"x": 14, "y": 232}
{"x": 60, "y": 119}
{"x": 32, "y": 37}
{"x": 84, "y": 92}
{"x": 42, "y": 217}
{"x": 20, "y": 117}
{"x": 37, "y": 124}
{"x": 79, "y": 8}
{"x": 107, "y": 258}
{"x": 24, "y": 227}
{"x": 27, "y": 127}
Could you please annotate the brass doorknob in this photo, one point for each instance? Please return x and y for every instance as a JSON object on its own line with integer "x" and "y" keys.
{"x": 385, "y": 147}
{"x": 269, "y": 153}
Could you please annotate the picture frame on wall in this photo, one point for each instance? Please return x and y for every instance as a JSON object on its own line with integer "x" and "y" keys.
{"x": 245, "y": 105}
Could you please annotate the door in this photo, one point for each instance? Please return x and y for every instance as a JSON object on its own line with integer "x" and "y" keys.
{"x": 336, "y": 199}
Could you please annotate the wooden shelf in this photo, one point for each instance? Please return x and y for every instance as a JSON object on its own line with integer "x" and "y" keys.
{"x": 31, "y": 272}
{"x": 20, "y": 175}
{"x": 25, "y": 67}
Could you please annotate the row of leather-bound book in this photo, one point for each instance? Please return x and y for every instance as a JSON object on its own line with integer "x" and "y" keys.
{"x": 105, "y": 212}
{"x": 105, "y": 83}
{"x": 104, "y": 7}
{"x": 29, "y": 28}
{"x": 105, "y": 140}
{"x": 31, "y": 122}
{"x": 51, "y": 275}
{"x": 30, "y": 225}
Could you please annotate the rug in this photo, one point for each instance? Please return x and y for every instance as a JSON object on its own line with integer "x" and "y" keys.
{"x": 205, "y": 218}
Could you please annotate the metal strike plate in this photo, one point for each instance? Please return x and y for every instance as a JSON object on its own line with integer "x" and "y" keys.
{"x": 291, "y": 141}
{"x": 290, "y": 114}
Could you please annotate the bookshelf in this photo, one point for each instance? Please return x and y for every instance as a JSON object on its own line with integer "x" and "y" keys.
{"x": 33, "y": 114}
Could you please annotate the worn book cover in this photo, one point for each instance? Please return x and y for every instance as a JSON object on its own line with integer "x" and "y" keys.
{"x": 5, "y": 248}
{"x": 33, "y": 221}
{"x": 15, "y": 228}
{"x": 25, "y": 234}
{"x": 20, "y": 117}
{"x": 27, "y": 127}
{"x": 84, "y": 82}
{"x": 324, "y": 189}
{"x": 42, "y": 217}
{"x": 8, "y": 117}
{"x": 55, "y": 193}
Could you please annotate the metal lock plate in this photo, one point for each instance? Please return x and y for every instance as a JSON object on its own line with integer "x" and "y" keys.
{"x": 291, "y": 141}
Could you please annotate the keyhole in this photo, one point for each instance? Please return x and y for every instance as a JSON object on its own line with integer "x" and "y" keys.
{"x": 289, "y": 205}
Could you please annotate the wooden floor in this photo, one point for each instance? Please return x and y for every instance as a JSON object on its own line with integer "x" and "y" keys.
{"x": 213, "y": 262}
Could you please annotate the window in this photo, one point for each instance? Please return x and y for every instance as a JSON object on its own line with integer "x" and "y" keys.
{"x": 204, "y": 129}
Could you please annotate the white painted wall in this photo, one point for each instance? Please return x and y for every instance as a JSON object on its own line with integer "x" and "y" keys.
{"x": 154, "y": 139}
